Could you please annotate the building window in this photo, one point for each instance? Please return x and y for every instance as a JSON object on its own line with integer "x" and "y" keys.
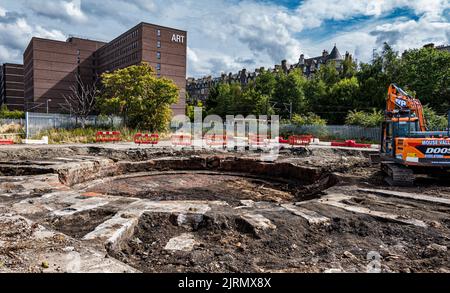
{"x": 158, "y": 55}
{"x": 158, "y": 33}
{"x": 158, "y": 44}
{"x": 158, "y": 66}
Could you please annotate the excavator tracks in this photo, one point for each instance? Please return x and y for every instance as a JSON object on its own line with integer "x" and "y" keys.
{"x": 398, "y": 175}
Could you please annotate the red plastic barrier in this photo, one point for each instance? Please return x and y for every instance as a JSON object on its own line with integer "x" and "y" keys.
{"x": 181, "y": 139}
{"x": 350, "y": 144}
{"x": 6, "y": 141}
{"x": 282, "y": 140}
{"x": 216, "y": 140}
{"x": 107, "y": 136}
{"x": 257, "y": 139}
{"x": 145, "y": 138}
{"x": 300, "y": 140}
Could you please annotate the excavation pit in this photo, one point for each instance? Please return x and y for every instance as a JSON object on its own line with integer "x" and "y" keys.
{"x": 162, "y": 211}
{"x": 78, "y": 224}
{"x": 198, "y": 185}
{"x": 212, "y": 179}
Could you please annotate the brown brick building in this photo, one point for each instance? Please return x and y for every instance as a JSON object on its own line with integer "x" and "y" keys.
{"x": 11, "y": 86}
{"x": 162, "y": 47}
{"x": 50, "y": 67}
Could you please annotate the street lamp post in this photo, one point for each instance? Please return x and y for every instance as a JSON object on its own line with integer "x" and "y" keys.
{"x": 49, "y": 100}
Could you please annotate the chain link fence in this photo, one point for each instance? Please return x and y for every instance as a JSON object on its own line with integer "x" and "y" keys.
{"x": 343, "y": 132}
{"x": 37, "y": 122}
{"x": 12, "y": 121}
{"x": 332, "y": 132}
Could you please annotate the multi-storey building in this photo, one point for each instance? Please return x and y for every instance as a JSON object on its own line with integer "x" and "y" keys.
{"x": 162, "y": 47}
{"x": 51, "y": 67}
{"x": 11, "y": 86}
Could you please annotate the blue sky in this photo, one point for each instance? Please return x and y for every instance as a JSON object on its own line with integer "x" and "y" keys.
{"x": 228, "y": 35}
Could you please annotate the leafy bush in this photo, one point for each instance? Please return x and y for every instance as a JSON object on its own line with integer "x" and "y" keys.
{"x": 365, "y": 119}
{"x": 6, "y": 114}
{"x": 83, "y": 135}
{"x": 434, "y": 121}
{"x": 304, "y": 124}
{"x": 308, "y": 119}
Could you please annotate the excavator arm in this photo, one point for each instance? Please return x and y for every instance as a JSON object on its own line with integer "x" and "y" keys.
{"x": 398, "y": 99}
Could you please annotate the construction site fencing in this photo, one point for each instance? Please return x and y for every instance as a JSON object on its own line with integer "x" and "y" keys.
{"x": 343, "y": 132}
{"x": 12, "y": 121}
{"x": 38, "y": 122}
{"x": 334, "y": 132}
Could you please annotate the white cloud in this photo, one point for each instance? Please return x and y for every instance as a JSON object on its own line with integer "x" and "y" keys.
{"x": 6, "y": 54}
{"x": 16, "y": 33}
{"x": 2, "y": 12}
{"x": 229, "y": 35}
{"x": 412, "y": 34}
{"x": 69, "y": 11}
{"x": 73, "y": 10}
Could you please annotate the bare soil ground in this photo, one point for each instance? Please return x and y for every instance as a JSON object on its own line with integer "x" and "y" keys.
{"x": 125, "y": 215}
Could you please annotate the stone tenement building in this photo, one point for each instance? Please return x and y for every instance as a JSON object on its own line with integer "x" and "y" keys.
{"x": 198, "y": 89}
{"x": 439, "y": 48}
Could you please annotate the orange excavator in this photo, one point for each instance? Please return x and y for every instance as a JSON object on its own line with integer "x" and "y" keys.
{"x": 407, "y": 147}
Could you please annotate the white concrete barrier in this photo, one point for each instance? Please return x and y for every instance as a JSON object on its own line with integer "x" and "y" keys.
{"x": 44, "y": 140}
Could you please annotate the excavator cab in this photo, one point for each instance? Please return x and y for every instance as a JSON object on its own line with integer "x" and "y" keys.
{"x": 395, "y": 127}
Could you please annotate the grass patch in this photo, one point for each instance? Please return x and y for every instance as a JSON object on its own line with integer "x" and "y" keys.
{"x": 84, "y": 135}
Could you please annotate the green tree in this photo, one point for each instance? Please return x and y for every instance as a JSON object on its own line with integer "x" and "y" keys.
{"x": 308, "y": 119}
{"x": 316, "y": 92}
{"x": 329, "y": 74}
{"x": 391, "y": 64}
{"x": 427, "y": 72}
{"x": 190, "y": 110}
{"x": 224, "y": 99}
{"x": 349, "y": 68}
{"x": 289, "y": 90}
{"x": 265, "y": 83}
{"x": 434, "y": 121}
{"x": 5, "y": 113}
{"x": 339, "y": 99}
{"x": 139, "y": 96}
{"x": 373, "y": 85}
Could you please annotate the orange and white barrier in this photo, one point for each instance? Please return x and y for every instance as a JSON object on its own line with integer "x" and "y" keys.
{"x": 107, "y": 136}
{"x": 6, "y": 141}
{"x": 146, "y": 138}
{"x": 301, "y": 140}
{"x": 216, "y": 140}
{"x": 181, "y": 139}
{"x": 257, "y": 140}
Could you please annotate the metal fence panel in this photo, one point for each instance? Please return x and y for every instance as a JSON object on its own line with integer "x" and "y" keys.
{"x": 12, "y": 121}
{"x": 338, "y": 132}
{"x": 335, "y": 131}
{"x": 37, "y": 122}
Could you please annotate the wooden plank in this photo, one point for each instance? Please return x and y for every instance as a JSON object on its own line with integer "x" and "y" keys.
{"x": 376, "y": 214}
{"x": 405, "y": 195}
{"x": 312, "y": 217}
